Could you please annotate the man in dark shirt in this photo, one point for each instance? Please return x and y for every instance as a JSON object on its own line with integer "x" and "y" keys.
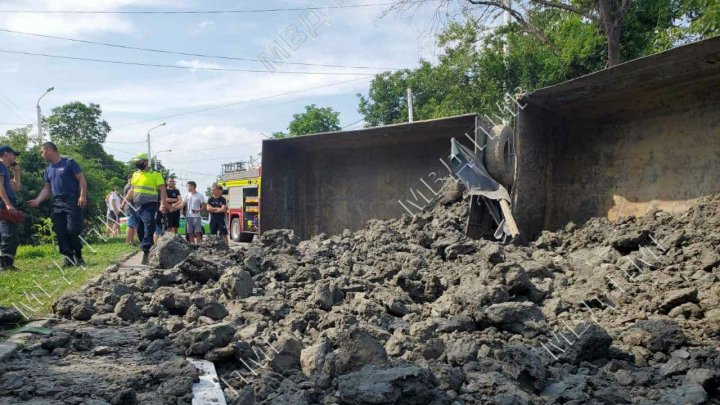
{"x": 66, "y": 182}
{"x": 175, "y": 203}
{"x": 160, "y": 226}
{"x": 217, "y": 207}
{"x": 8, "y": 200}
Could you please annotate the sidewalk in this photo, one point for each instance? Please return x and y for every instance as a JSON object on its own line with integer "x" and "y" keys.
{"x": 133, "y": 262}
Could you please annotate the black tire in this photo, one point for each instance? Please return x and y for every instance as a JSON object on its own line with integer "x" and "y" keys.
{"x": 236, "y": 229}
{"x": 499, "y": 161}
{"x": 246, "y": 237}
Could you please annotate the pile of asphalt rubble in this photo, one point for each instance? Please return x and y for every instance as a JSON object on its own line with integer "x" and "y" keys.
{"x": 408, "y": 311}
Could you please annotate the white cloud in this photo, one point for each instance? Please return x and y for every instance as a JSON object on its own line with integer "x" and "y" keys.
{"x": 74, "y": 24}
{"x": 173, "y": 95}
{"x": 198, "y": 152}
{"x": 8, "y": 70}
{"x": 202, "y": 26}
{"x": 196, "y": 64}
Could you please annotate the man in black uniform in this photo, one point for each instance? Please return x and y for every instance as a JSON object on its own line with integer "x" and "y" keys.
{"x": 217, "y": 207}
{"x": 65, "y": 180}
{"x": 9, "y": 186}
{"x": 172, "y": 217}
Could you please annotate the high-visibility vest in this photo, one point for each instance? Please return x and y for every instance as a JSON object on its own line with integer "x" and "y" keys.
{"x": 145, "y": 186}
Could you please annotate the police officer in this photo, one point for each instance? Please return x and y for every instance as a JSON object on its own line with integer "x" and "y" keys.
{"x": 145, "y": 184}
{"x": 65, "y": 180}
{"x": 8, "y": 200}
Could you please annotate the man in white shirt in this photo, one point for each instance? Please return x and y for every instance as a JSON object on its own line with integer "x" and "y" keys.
{"x": 194, "y": 204}
{"x": 113, "y": 202}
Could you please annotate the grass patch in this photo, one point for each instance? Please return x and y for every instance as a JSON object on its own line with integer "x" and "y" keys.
{"x": 38, "y": 282}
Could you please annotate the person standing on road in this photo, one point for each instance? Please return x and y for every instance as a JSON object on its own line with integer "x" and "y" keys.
{"x": 113, "y": 202}
{"x": 64, "y": 179}
{"x": 8, "y": 200}
{"x": 160, "y": 225}
{"x": 194, "y": 204}
{"x": 175, "y": 203}
{"x": 130, "y": 213}
{"x": 145, "y": 185}
{"x": 217, "y": 207}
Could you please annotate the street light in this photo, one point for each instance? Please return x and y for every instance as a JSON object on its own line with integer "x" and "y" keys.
{"x": 156, "y": 155}
{"x": 148, "y": 138}
{"x": 39, "y": 115}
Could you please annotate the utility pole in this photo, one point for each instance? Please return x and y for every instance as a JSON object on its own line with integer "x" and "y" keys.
{"x": 410, "y": 104}
{"x": 39, "y": 116}
{"x": 148, "y": 141}
{"x": 155, "y": 159}
{"x": 506, "y": 22}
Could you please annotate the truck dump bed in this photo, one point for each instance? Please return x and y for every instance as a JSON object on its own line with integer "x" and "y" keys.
{"x": 622, "y": 141}
{"x": 339, "y": 180}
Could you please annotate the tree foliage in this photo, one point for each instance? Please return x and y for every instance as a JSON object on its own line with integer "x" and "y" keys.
{"x": 694, "y": 20}
{"x": 77, "y": 125}
{"x": 78, "y": 130}
{"x": 315, "y": 119}
{"x": 479, "y": 67}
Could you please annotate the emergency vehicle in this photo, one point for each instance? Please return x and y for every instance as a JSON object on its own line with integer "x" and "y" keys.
{"x": 241, "y": 189}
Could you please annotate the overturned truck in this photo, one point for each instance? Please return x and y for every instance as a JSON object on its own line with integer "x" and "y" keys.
{"x": 639, "y": 136}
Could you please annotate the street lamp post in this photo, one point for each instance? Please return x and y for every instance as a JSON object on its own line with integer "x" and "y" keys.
{"x": 39, "y": 116}
{"x": 156, "y": 155}
{"x": 148, "y": 138}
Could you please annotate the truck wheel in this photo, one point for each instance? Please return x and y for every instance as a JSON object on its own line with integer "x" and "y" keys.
{"x": 235, "y": 229}
{"x": 499, "y": 156}
{"x": 246, "y": 237}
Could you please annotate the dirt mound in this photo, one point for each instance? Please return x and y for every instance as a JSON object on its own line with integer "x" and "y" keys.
{"x": 411, "y": 311}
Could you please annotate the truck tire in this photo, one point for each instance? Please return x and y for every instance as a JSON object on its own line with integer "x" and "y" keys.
{"x": 499, "y": 158}
{"x": 235, "y": 229}
{"x": 246, "y": 237}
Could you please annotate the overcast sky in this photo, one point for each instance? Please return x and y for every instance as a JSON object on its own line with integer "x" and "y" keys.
{"x": 128, "y": 94}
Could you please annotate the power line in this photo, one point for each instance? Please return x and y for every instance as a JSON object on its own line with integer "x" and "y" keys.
{"x": 121, "y": 62}
{"x": 213, "y": 148}
{"x": 125, "y": 143}
{"x": 188, "y": 53}
{"x": 190, "y": 171}
{"x": 13, "y": 106}
{"x": 353, "y": 123}
{"x": 239, "y": 102}
{"x": 117, "y": 150}
{"x": 246, "y": 11}
{"x": 201, "y": 160}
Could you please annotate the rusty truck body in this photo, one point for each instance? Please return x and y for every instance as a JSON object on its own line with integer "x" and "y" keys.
{"x": 622, "y": 141}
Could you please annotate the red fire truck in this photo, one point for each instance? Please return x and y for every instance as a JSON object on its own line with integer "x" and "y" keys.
{"x": 241, "y": 188}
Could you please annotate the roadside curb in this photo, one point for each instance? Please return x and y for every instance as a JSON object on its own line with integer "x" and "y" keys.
{"x": 17, "y": 342}
{"x": 124, "y": 258}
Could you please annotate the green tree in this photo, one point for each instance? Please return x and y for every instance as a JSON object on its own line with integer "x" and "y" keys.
{"x": 78, "y": 125}
{"x": 78, "y": 131}
{"x": 315, "y": 119}
{"x": 694, "y": 20}
{"x": 476, "y": 69}
{"x": 32, "y": 168}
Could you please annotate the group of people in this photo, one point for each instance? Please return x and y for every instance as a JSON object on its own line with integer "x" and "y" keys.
{"x": 65, "y": 183}
{"x": 152, "y": 205}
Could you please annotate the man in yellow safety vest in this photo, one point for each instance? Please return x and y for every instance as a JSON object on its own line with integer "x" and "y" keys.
{"x": 145, "y": 185}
